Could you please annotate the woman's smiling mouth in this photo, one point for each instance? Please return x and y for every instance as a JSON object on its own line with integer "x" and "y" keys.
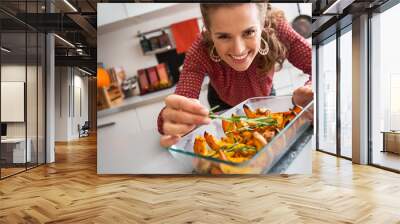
{"x": 239, "y": 58}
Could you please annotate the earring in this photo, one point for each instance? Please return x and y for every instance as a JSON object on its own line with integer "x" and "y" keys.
{"x": 266, "y": 47}
{"x": 214, "y": 57}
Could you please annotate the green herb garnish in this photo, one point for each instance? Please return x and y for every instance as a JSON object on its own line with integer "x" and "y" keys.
{"x": 259, "y": 121}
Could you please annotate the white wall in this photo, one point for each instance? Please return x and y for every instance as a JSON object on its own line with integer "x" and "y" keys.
{"x": 17, "y": 73}
{"x": 119, "y": 46}
{"x": 69, "y": 85}
{"x": 80, "y": 103}
{"x": 61, "y": 103}
{"x": 14, "y": 73}
{"x": 111, "y": 12}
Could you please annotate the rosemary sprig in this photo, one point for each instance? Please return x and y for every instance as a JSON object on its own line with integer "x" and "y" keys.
{"x": 230, "y": 148}
{"x": 246, "y": 148}
{"x": 245, "y": 128}
{"x": 263, "y": 121}
{"x": 212, "y": 109}
{"x": 243, "y": 149}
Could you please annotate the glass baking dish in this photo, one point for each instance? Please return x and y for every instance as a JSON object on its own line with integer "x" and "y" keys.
{"x": 266, "y": 157}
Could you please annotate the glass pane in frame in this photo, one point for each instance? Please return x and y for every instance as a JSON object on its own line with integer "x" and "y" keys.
{"x": 327, "y": 96}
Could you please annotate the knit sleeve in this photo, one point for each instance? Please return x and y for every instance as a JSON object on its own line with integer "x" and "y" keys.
{"x": 192, "y": 75}
{"x": 299, "y": 50}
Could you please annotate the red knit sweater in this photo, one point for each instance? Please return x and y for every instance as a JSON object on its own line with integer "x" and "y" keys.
{"x": 232, "y": 86}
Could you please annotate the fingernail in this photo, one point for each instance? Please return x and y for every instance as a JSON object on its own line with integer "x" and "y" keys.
{"x": 203, "y": 111}
{"x": 207, "y": 120}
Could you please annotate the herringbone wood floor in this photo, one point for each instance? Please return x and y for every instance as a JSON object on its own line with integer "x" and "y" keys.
{"x": 70, "y": 191}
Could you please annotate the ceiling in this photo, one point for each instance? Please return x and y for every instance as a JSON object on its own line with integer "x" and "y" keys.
{"x": 76, "y": 22}
{"x": 329, "y": 16}
{"x": 73, "y": 20}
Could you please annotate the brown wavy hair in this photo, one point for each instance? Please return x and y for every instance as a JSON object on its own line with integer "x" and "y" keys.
{"x": 269, "y": 19}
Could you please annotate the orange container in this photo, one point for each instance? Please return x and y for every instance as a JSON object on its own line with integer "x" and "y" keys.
{"x": 143, "y": 81}
{"x": 162, "y": 73}
{"x": 103, "y": 78}
{"x": 152, "y": 74}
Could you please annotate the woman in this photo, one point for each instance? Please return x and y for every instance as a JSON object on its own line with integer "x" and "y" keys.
{"x": 239, "y": 51}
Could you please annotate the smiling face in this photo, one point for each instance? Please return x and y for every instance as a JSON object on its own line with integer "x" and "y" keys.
{"x": 236, "y": 34}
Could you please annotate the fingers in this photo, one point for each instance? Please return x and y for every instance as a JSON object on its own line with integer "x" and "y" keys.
{"x": 168, "y": 140}
{"x": 182, "y": 114}
{"x": 178, "y": 102}
{"x": 177, "y": 129}
{"x": 303, "y": 95}
{"x": 184, "y": 117}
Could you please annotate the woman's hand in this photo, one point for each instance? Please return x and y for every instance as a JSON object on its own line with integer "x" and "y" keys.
{"x": 181, "y": 115}
{"x": 303, "y": 95}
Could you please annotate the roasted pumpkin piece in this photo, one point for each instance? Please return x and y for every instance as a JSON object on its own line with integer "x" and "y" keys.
{"x": 212, "y": 141}
{"x": 222, "y": 155}
{"x": 247, "y": 152}
{"x": 269, "y": 134}
{"x": 287, "y": 120}
{"x": 263, "y": 112}
{"x": 259, "y": 140}
{"x": 240, "y": 124}
{"x": 228, "y": 126}
{"x": 224, "y": 143}
{"x": 202, "y": 165}
{"x": 260, "y": 112}
{"x": 249, "y": 113}
{"x": 250, "y": 142}
{"x": 297, "y": 109}
{"x": 237, "y": 137}
{"x": 227, "y": 169}
{"x": 279, "y": 119}
{"x": 247, "y": 135}
{"x": 238, "y": 147}
{"x": 216, "y": 170}
{"x": 200, "y": 146}
{"x": 228, "y": 139}
{"x": 237, "y": 159}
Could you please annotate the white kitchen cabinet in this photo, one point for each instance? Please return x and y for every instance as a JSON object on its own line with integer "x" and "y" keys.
{"x": 123, "y": 123}
{"x": 148, "y": 115}
{"x": 112, "y": 132}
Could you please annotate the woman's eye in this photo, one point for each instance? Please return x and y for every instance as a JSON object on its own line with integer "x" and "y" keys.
{"x": 223, "y": 37}
{"x": 249, "y": 33}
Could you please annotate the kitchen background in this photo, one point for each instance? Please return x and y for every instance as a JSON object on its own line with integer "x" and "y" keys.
{"x": 127, "y": 32}
{"x": 135, "y": 42}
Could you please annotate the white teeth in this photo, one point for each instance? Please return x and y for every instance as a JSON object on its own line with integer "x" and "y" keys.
{"x": 239, "y": 57}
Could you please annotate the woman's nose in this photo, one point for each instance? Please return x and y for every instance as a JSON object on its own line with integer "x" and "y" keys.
{"x": 239, "y": 46}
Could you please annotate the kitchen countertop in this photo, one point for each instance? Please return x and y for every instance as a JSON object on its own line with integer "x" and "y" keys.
{"x": 142, "y": 154}
{"x": 137, "y": 154}
{"x": 137, "y": 101}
